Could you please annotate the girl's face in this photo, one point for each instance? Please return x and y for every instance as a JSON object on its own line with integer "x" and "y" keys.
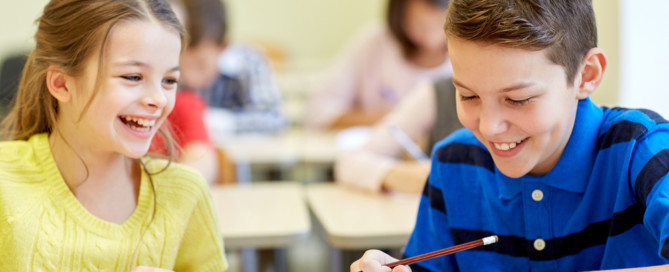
{"x": 137, "y": 89}
{"x": 424, "y": 24}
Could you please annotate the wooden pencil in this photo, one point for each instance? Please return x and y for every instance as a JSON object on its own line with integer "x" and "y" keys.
{"x": 446, "y": 251}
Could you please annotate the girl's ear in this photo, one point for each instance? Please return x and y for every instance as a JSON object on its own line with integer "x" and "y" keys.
{"x": 56, "y": 82}
{"x": 594, "y": 65}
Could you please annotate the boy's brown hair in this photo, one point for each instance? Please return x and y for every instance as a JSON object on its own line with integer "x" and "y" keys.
{"x": 566, "y": 28}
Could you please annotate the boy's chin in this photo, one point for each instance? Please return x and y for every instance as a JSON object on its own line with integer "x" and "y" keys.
{"x": 512, "y": 172}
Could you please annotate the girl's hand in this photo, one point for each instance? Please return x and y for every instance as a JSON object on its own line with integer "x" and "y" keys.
{"x": 150, "y": 269}
{"x": 374, "y": 260}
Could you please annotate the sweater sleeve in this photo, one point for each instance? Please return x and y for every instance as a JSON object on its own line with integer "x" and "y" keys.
{"x": 201, "y": 247}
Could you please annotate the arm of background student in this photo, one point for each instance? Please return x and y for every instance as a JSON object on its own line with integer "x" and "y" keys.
{"x": 373, "y": 261}
{"x": 368, "y": 168}
{"x": 407, "y": 177}
{"x": 336, "y": 91}
{"x": 203, "y": 158}
{"x": 357, "y": 117}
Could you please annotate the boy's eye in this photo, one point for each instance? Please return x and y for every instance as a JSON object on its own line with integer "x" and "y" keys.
{"x": 519, "y": 102}
{"x": 132, "y": 77}
{"x": 466, "y": 98}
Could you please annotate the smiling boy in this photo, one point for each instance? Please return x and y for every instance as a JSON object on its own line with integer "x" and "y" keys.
{"x": 565, "y": 184}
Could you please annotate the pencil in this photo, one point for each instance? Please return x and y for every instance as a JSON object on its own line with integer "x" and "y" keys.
{"x": 442, "y": 252}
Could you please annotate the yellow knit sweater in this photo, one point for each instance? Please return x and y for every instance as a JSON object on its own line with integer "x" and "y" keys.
{"x": 43, "y": 227}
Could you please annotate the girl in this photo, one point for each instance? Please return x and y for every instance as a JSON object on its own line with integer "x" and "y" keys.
{"x": 76, "y": 193}
{"x": 383, "y": 66}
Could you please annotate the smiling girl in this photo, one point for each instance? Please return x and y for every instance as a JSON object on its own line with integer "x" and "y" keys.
{"x": 76, "y": 192}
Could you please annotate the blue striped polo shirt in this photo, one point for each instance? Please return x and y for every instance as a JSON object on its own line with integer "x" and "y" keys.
{"x": 604, "y": 205}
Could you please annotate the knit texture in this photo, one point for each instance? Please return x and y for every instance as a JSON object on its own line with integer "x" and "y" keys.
{"x": 43, "y": 227}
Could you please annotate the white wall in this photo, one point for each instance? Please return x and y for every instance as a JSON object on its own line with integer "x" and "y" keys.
{"x": 645, "y": 62}
{"x": 17, "y": 24}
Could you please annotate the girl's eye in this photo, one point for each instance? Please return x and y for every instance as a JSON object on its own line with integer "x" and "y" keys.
{"x": 170, "y": 81}
{"x": 132, "y": 77}
{"x": 519, "y": 102}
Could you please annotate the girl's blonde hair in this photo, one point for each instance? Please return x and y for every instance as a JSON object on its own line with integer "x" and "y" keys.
{"x": 69, "y": 32}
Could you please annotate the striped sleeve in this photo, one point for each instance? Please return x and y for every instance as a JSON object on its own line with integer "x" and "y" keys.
{"x": 650, "y": 169}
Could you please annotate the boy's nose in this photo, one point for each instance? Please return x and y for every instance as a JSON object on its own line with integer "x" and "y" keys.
{"x": 492, "y": 121}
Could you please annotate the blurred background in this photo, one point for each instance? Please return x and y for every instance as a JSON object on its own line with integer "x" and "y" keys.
{"x": 303, "y": 36}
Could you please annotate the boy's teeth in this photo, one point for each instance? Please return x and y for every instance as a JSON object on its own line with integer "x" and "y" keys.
{"x": 505, "y": 146}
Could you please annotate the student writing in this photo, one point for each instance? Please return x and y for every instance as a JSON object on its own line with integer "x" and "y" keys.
{"x": 565, "y": 184}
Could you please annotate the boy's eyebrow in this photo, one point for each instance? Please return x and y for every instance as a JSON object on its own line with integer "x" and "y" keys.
{"x": 521, "y": 85}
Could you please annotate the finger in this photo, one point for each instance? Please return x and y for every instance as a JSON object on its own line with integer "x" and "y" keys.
{"x": 402, "y": 268}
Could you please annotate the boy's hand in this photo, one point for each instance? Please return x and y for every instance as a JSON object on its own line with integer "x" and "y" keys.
{"x": 374, "y": 260}
{"x": 150, "y": 269}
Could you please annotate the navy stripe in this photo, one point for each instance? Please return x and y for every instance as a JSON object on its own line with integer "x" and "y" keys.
{"x": 624, "y": 220}
{"x": 594, "y": 234}
{"x": 665, "y": 249}
{"x": 622, "y": 131}
{"x": 656, "y": 168}
{"x": 435, "y": 196}
{"x": 467, "y": 154}
{"x": 654, "y": 116}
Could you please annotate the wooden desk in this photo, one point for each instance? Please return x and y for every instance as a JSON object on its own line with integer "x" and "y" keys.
{"x": 282, "y": 151}
{"x": 261, "y": 215}
{"x": 359, "y": 220}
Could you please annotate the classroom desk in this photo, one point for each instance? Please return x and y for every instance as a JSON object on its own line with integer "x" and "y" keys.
{"x": 261, "y": 215}
{"x": 283, "y": 151}
{"x": 358, "y": 220}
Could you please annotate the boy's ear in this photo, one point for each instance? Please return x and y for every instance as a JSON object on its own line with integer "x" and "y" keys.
{"x": 57, "y": 83}
{"x": 592, "y": 73}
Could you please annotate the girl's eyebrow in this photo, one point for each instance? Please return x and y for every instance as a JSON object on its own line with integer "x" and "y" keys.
{"x": 144, "y": 65}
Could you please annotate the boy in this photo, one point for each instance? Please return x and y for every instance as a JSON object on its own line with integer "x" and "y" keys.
{"x": 566, "y": 185}
{"x": 230, "y": 76}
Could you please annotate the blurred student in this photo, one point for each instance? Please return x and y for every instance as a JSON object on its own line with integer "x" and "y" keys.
{"x": 382, "y": 65}
{"x": 228, "y": 75}
{"x": 77, "y": 192}
{"x": 428, "y": 113}
{"x": 565, "y": 184}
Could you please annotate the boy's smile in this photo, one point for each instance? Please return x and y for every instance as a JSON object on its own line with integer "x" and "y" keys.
{"x": 517, "y": 103}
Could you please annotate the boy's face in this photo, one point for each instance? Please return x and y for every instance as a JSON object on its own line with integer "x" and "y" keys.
{"x": 517, "y": 103}
{"x": 199, "y": 65}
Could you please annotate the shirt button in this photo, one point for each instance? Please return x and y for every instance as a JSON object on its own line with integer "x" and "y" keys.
{"x": 537, "y": 195}
{"x": 539, "y": 244}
